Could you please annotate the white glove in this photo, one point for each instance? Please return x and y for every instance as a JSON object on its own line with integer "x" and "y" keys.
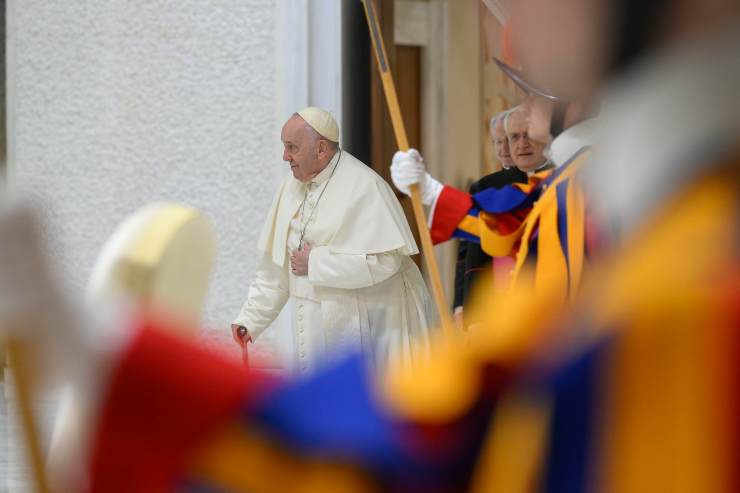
{"x": 407, "y": 168}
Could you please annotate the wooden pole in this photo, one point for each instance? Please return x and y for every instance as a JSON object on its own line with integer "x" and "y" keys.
{"x": 22, "y": 381}
{"x": 376, "y": 37}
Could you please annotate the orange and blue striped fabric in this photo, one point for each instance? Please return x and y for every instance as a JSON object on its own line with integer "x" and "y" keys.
{"x": 640, "y": 393}
{"x": 542, "y": 223}
{"x": 553, "y": 239}
{"x": 458, "y": 214}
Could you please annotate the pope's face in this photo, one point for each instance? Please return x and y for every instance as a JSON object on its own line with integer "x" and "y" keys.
{"x": 301, "y": 149}
{"x": 528, "y": 154}
{"x": 501, "y": 144}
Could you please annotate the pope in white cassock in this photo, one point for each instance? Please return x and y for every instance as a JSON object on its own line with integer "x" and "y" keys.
{"x": 337, "y": 244}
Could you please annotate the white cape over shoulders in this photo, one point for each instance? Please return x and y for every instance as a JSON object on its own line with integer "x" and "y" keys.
{"x": 337, "y": 310}
{"x": 367, "y": 214}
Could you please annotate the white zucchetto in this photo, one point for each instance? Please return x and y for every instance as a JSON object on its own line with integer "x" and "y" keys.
{"x": 321, "y": 121}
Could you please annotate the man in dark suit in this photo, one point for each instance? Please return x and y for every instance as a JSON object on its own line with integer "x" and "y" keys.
{"x": 471, "y": 259}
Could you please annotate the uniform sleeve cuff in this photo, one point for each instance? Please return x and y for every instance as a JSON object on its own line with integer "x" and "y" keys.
{"x": 449, "y": 209}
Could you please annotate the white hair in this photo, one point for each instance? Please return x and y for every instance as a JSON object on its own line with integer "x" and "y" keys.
{"x": 515, "y": 109}
{"x": 496, "y": 119}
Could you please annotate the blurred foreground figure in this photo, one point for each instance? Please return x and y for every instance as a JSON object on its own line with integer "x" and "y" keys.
{"x": 633, "y": 389}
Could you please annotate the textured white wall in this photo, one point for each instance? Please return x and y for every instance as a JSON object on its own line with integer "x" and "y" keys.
{"x": 118, "y": 103}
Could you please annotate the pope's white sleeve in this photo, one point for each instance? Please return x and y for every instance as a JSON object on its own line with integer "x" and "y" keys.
{"x": 350, "y": 271}
{"x": 267, "y": 295}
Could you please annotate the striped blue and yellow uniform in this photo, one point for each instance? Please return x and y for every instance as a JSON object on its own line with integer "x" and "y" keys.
{"x": 542, "y": 223}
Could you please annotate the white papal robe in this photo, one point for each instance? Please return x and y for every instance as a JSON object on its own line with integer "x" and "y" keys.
{"x": 362, "y": 289}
